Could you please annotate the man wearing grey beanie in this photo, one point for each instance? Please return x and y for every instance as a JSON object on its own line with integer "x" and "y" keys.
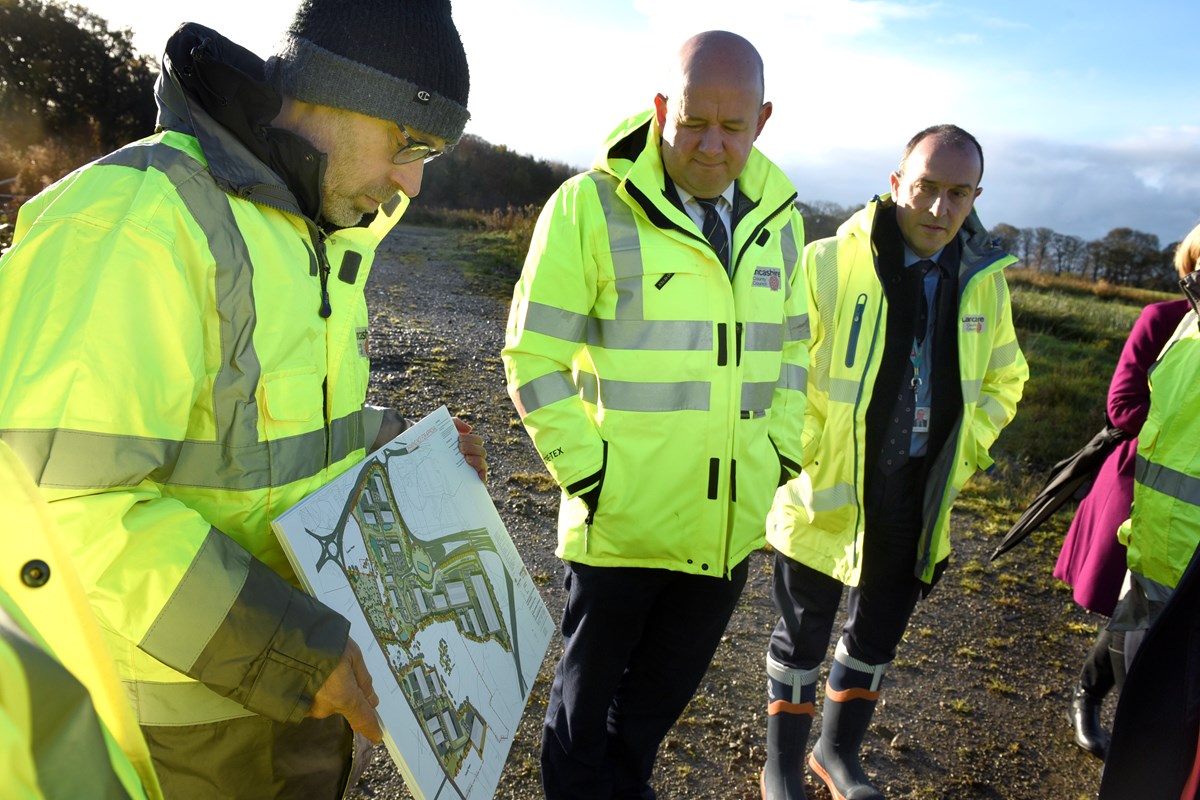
{"x": 186, "y": 358}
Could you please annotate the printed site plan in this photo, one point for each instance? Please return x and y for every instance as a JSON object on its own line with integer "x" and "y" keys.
{"x": 409, "y": 547}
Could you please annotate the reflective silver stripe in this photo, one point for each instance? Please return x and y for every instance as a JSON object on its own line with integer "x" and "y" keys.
{"x": 798, "y": 328}
{"x": 200, "y": 602}
{"x": 763, "y": 337}
{"x": 991, "y": 406}
{"x": 842, "y": 390}
{"x": 827, "y": 284}
{"x": 346, "y": 434}
{"x": 1165, "y": 480}
{"x": 757, "y": 396}
{"x": 645, "y": 395}
{"x": 625, "y": 247}
{"x": 841, "y": 654}
{"x": 1004, "y": 356}
{"x": 556, "y": 322}
{"x": 1001, "y": 295}
{"x": 793, "y": 376}
{"x": 180, "y": 703}
{"x": 791, "y": 256}
{"x": 833, "y": 498}
{"x": 541, "y": 392}
{"x": 71, "y": 459}
{"x": 68, "y": 753}
{"x": 791, "y": 676}
{"x": 621, "y": 334}
{"x": 971, "y": 390}
{"x": 235, "y": 410}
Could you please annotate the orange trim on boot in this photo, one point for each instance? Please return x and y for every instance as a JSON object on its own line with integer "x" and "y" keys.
{"x": 850, "y": 694}
{"x": 820, "y": 772}
{"x": 784, "y": 707}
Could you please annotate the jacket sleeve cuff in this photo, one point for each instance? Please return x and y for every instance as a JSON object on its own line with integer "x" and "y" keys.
{"x": 372, "y": 422}
{"x": 238, "y": 627}
{"x": 303, "y": 640}
{"x": 381, "y": 425}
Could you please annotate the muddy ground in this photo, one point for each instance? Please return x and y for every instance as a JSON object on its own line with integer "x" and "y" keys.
{"x": 973, "y": 706}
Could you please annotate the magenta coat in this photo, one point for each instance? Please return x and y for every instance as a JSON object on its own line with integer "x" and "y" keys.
{"x": 1092, "y": 561}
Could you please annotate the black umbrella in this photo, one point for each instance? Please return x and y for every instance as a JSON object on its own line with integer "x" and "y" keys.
{"x": 1066, "y": 478}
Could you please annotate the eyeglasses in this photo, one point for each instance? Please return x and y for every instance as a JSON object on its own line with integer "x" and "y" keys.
{"x": 414, "y": 150}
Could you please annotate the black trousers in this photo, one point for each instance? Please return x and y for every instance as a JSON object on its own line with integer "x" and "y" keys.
{"x": 878, "y": 609}
{"x": 636, "y": 644}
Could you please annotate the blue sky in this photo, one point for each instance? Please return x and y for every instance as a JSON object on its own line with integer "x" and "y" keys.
{"x": 1087, "y": 112}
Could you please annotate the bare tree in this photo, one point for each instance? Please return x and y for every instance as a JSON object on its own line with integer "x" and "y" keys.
{"x": 1067, "y": 253}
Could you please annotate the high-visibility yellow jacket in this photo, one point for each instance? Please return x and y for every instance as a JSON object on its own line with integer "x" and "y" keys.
{"x": 817, "y": 518}
{"x": 168, "y": 380}
{"x": 66, "y": 727}
{"x": 1164, "y": 526}
{"x": 634, "y": 361}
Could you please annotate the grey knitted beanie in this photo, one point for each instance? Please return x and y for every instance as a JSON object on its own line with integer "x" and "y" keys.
{"x": 399, "y": 60}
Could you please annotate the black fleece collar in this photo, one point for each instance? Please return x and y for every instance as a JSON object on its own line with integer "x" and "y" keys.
{"x": 212, "y": 74}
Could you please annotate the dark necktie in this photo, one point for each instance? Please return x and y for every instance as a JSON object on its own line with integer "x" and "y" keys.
{"x": 925, "y": 266}
{"x": 714, "y": 229}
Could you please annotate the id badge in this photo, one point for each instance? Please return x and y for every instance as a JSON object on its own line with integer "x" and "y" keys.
{"x": 921, "y": 419}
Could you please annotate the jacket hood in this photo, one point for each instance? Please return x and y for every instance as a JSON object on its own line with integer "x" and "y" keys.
{"x": 626, "y": 143}
{"x": 631, "y": 154}
{"x": 217, "y": 91}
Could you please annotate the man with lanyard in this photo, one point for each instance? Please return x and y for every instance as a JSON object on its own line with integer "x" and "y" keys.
{"x": 915, "y": 370}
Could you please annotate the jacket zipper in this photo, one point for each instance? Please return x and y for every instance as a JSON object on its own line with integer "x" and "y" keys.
{"x": 754, "y": 234}
{"x": 858, "y": 510}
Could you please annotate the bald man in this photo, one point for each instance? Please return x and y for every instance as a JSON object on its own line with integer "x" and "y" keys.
{"x": 657, "y": 353}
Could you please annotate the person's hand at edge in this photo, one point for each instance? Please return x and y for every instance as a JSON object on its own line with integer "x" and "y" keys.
{"x": 348, "y": 691}
{"x": 471, "y": 446}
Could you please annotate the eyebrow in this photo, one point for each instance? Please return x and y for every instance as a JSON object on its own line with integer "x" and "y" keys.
{"x": 940, "y": 183}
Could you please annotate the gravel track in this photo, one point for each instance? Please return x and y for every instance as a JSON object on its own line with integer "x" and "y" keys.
{"x": 973, "y": 706}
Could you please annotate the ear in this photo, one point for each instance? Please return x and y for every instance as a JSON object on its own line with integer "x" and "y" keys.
{"x": 660, "y": 109}
{"x": 895, "y": 181}
{"x": 764, "y": 114}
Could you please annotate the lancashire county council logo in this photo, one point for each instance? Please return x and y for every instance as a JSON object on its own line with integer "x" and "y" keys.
{"x": 973, "y": 324}
{"x": 364, "y": 342}
{"x": 767, "y": 277}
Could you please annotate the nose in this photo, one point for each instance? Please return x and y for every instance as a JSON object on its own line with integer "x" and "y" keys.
{"x": 940, "y": 206}
{"x": 711, "y": 140}
{"x": 407, "y": 177}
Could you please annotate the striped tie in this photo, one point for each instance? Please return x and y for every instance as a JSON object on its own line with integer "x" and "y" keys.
{"x": 714, "y": 229}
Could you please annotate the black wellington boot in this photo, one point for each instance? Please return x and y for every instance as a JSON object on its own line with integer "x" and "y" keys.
{"x": 1084, "y": 715}
{"x": 849, "y": 706}
{"x": 791, "y": 705}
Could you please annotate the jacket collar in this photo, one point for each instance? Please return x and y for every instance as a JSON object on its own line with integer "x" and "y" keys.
{"x": 631, "y": 154}
{"x": 979, "y": 250}
{"x": 216, "y": 90}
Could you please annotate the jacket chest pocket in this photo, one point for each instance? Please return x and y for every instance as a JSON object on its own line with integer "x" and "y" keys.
{"x": 856, "y": 326}
{"x": 293, "y": 404}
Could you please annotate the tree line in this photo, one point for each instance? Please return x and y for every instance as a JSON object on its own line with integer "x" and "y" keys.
{"x": 1123, "y": 256}
{"x": 71, "y": 90}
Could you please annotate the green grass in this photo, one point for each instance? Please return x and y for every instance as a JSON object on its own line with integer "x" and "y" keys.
{"x": 1072, "y": 331}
